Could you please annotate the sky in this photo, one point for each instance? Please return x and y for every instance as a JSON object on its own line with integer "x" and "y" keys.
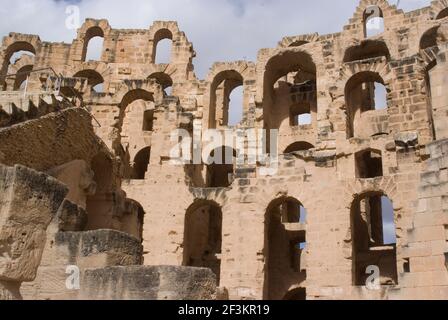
{"x": 223, "y": 30}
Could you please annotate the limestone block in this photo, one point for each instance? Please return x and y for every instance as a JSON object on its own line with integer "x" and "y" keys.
{"x": 28, "y": 202}
{"x": 149, "y": 283}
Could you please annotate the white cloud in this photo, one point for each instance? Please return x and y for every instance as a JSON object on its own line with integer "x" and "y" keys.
{"x": 220, "y": 30}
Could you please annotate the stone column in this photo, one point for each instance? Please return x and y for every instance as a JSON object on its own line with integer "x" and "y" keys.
{"x": 28, "y": 202}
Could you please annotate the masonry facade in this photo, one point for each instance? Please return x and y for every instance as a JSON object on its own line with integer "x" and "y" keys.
{"x": 311, "y": 230}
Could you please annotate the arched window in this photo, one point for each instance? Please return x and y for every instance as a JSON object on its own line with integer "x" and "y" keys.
{"x": 93, "y": 44}
{"x": 141, "y": 163}
{"x": 289, "y": 90}
{"x": 369, "y": 164}
{"x": 298, "y": 146}
{"x": 94, "y": 80}
{"x": 163, "y": 43}
{"x": 442, "y": 14}
{"x": 136, "y": 118}
{"x": 226, "y": 99}
{"x": 203, "y": 236}
{"x": 365, "y": 92}
{"x": 429, "y": 38}
{"x": 164, "y": 80}
{"x": 373, "y": 21}
{"x": 13, "y": 54}
{"x": 19, "y": 54}
{"x": 21, "y": 79}
{"x": 366, "y": 50}
{"x": 285, "y": 241}
{"x": 374, "y": 238}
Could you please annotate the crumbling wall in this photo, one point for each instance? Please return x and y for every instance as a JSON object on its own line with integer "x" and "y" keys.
{"x": 331, "y": 78}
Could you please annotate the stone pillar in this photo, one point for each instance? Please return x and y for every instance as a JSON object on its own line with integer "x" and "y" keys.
{"x": 28, "y": 202}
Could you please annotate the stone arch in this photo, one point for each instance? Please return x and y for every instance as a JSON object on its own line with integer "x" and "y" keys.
{"x": 366, "y": 50}
{"x": 283, "y": 63}
{"x": 439, "y": 9}
{"x": 94, "y": 78}
{"x": 359, "y": 100}
{"x": 388, "y": 13}
{"x": 160, "y": 35}
{"x": 368, "y": 213}
{"x": 90, "y": 29}
{"x": 163, "y": 79}
{"x": 283, "y": 246}
{"x": 238, "y": 73}
{"x": 442, "y": 14}
{"x": 432, "y": 38}
{"x": 298, "y": 146}
{"x": 225, "y": 81}
{"x": 141, "y": 163}
{"x": 21, "y": 76}
{"x": 203, "y": 236}
{"x": 16, "y": 43}
{"x": 298, "y": 41}
{"x": 352, "y": 76}
{"x": 133, "y": 95}
{"x": 91, "y": 33}
{"x": 129, "y": 90}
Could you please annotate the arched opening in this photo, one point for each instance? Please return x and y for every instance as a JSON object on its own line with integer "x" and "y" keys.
{"x": 203, "y": 236}
{"x": 430, "y": 38}
{"x": 100, "y": 205}
{"x": 374, "y": 238}
{"x": 163, "y": 43}
{"x": 285, "y": 242}
{"x": 141, "y": 163}
{"x": 95, "y": 81}
{"x": 366, "y": 95}
{"x": 373, "y": 21}
{"x": 93, "y": 44}
{"x": 442, "y": 14}
{"x": 220, "y": 167}
{"x": 21, "y": 78}
{"x": 298, "y": 146}
{"x": 164, "y": 81}
{"x": 298, "y": 294}
{"x": 226, "y": 99}
{"x": 366, "y": 50}
{"x": 16, "y": 56}
{"x": 136, "y": 119}
{"x": 289, "y": 91}
{"x": 369, "y": 164}
{"x": 13, "y": 54}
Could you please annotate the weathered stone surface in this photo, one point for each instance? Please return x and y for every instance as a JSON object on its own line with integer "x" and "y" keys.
{"x": 28, "y": 202}
{"x": 300, "y": 219}
{"x": 148, "y": 283}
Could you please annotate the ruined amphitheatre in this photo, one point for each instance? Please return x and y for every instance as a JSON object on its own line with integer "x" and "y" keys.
{"x": 90, "y": 184}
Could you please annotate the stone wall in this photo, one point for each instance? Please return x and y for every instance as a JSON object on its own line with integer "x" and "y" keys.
{"x": 339, "y": 173}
